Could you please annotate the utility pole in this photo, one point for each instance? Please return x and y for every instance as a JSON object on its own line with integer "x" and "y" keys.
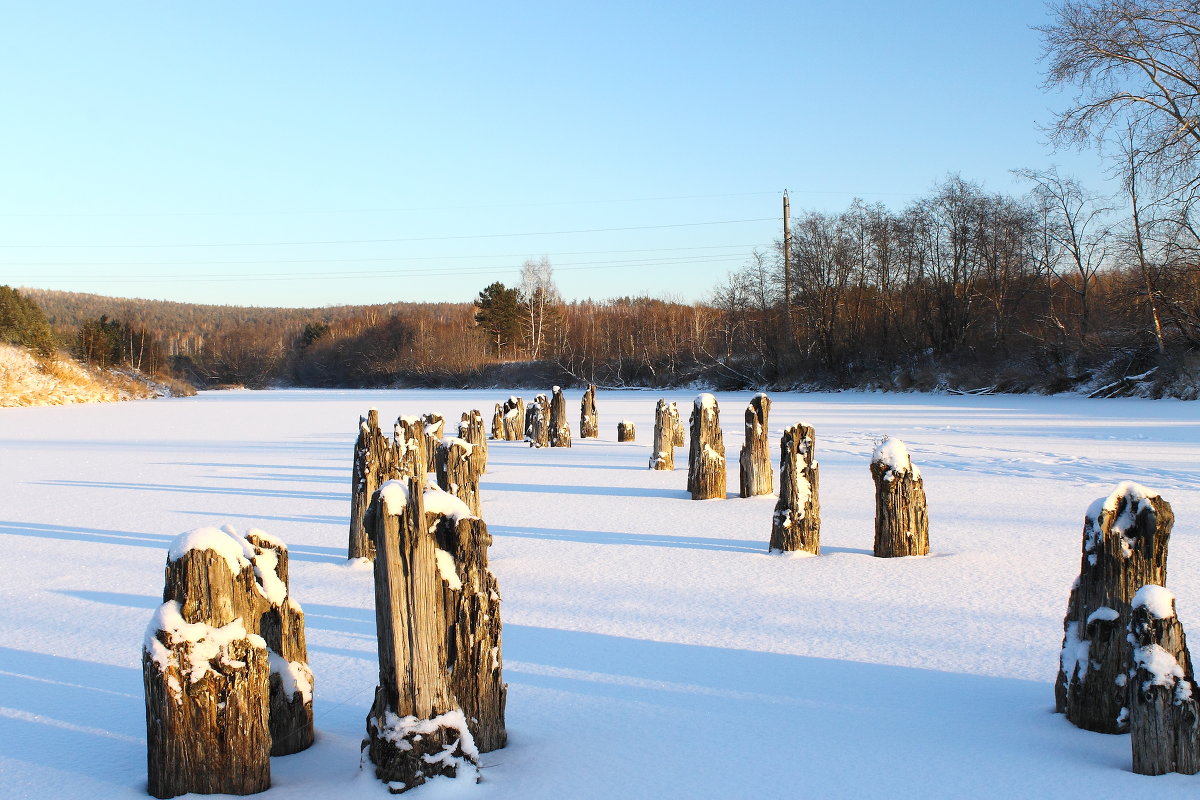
{"x": 787, "y": 268}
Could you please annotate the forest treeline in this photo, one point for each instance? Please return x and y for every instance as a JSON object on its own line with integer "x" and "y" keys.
{"x": 962, "y": 289}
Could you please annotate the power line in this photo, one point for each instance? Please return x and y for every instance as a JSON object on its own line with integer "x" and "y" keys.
{"x": 385, "y": 241}
{"x": 377, "y": 275}
{"x": 318, "y": 212}
{"x": 362, "y": 260}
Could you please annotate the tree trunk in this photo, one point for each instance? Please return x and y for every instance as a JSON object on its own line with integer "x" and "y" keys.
{"x": 1162, "y": 695}
{"x": 435, "y": 426}
{"x": 589, "y": 422}
{"x": 456, "y": 471}
{"x": 371, "y": 457}
{"x": 1125, "y": 539}
{"x": 471, "y": 429}
{"x": 663, "y": 455}
{"x": 706, "y": 458}
{"x": 901, "y": 517}
{"x": 796, "y": 524}
{"x": 560, "y": 428}
{"x": 440, "y": 700}
{"x": 537, "y": 422}
{"x": 756, "y": 475}
{"x": 626, "y": 431}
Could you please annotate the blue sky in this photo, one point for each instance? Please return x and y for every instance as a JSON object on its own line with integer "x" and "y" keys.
{"x": 307, "y": 154}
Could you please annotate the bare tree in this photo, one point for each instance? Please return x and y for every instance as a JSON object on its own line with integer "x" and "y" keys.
{"x": 1078, "y": 230}
{"x": 541, "y": 298}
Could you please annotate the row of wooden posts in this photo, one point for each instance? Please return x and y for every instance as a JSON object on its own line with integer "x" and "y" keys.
{"x": 1124, "y": 665}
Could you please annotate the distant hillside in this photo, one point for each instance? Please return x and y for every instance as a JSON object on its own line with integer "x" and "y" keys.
{"x": 184, "y": 327}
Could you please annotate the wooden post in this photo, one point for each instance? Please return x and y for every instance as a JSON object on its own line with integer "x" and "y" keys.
{"x": 415, "y": 729}
{"x": 435, "y": 426}
{"x": 371, "y": 460}
{"x": 589, "y": 422}
{"x": 663, "y": 454}
{"x": 514, "y": 418}
{"x": 706, "y": 458}
{"x": 456, "y": 471}
{"x": 440, "y": 700}
{"x": 755, "y": 461}
{"x": 281, "y": 625}
{"x": 209, "y": 735}
{"x": 471, "y": 429}
{"x": 901, "y": 517}
{"x": 1125, "y": 539}
{"x": 796, "y": 524}
{"x": 537, "y": 422}
{"x": 560, "y": 428}
{"x": 473, "y": 611}
{"x": 677, "y": 439}
{"x": 498, "y": 424}
{"x": 1162, "y": 690}
{"x": 224, "y": 665}
{"x": 409, "y": 447}
{"x": 626, "y": 431}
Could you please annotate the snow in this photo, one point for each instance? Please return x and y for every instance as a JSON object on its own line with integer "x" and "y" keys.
{"x": 295, "y": 676}
{"x": 394, "y": 496}
{"x": 1104, "y": 614}
{"x": 893, "y": 454}
{"x": 214, "y": 539}
{"x": 1163, "y": 668}
{"x": 641, "y": 628}
{"x": 1158, "y": 601}
{"x": 208, "y": 643}
{"x": 437, "y": 501}
{"x": 446, "y": 568}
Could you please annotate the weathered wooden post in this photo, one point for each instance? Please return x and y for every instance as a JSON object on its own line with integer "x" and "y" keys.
{"x": 901, "y": 517}
{"x": 371, "y": 460}
{"x": 514, "y": 418}
{"x": 410, "y": 452}
{"x": 706, "y": 457}
{"x": 626, "y": 431}
{"x": 498, "y": 424}
{"x": 589, "y": 422}
{"x": 473, "y": 609}
{"x": 537, "y": 422}
{"x": 560, "y": 427}
{"x": 435, "y": 426}
{"x": 1125, "y": 539}
{"x": 471, "y": 429}
{"x": 457, "y": 471}
{"x": 280, "y": 622}
{"x": 440, "y": 700}
{"x": 796, "y": 524}
{"x": 663, "y": 454}
{"x": 755, "y": 461}
{"x": 225, "y": 666}
{"x": 206, "y": 707}
{"x": 1162, "y": 692}
{"x": 677, "y": 439}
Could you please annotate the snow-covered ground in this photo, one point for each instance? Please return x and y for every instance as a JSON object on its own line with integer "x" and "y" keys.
{"x": 651, "y": 645}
